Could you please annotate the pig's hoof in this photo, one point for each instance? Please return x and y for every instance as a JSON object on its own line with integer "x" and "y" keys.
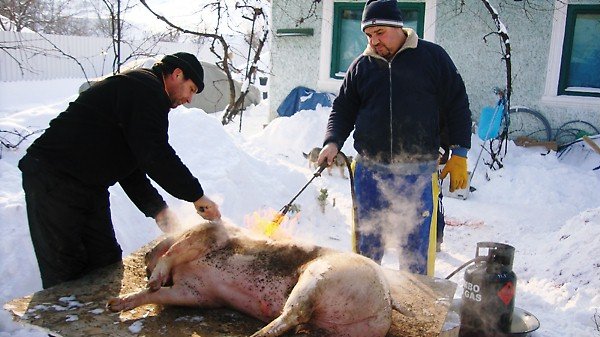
{"x": 154, "y": 284}
{"x": 116, "y": 304}
{"x": 159, "y": 277}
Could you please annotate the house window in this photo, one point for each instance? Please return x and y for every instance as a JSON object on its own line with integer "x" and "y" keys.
{"x": 580, "y": 66}
{"x": 348, "y": 39}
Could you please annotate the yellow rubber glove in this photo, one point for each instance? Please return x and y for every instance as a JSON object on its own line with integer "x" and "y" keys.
{"x": 457, "y": 167}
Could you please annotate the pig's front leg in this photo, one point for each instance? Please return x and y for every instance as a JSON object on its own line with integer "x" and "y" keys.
{"x": 190, "y": 246}
{"x": 151, "y": 257}
{"x": 129, "y": 301}
{"x": 178, "y": 254}
{"x": 160, "y": 274}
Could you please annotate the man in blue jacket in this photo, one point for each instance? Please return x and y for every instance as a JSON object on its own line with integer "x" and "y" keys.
{"x": 115, "y": 131}
{"x": 393, "y": 96}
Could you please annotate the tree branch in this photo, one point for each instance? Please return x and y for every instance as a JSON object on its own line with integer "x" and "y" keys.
{"x": 224, "y": 59}
{"x": 502, "y": 32}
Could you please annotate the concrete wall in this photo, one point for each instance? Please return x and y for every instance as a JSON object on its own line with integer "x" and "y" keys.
{"x": 535, "y": 27}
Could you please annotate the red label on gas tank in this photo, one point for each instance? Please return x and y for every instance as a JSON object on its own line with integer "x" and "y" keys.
{"x": 507, "y": 293}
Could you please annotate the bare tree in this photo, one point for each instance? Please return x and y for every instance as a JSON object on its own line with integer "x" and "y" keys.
{"x": 115, "y": 29}
{"x": 111, "y": 23}
{"x": 501, "y": 31}
{"x": 59, "y": 17}
{"x": 254, "y": 46}
{"x": 497, "y": 147}
{"x": 23, "y": 16}
{"x": 221, "y": 48}
{"x": 45, "y": 16}
{"x": 83, "y": 17}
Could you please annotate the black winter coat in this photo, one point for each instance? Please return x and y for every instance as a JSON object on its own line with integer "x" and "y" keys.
{"x": 395, "y": 107}
{"x": 117, "y": 131}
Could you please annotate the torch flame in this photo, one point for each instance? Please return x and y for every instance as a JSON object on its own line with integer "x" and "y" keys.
{"x": 269, "y": 223}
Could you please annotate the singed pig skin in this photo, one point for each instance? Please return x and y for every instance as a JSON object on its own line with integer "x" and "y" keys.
{"x": 284, "y": 283}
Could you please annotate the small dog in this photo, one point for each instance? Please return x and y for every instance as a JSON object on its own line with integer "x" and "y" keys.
{"x": 339, "y": 161}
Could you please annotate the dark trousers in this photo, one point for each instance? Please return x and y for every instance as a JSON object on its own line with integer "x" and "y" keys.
{"x": 69, "y": 223}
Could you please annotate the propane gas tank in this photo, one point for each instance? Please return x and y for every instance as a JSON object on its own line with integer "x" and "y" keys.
{"x": 488, "y": 298}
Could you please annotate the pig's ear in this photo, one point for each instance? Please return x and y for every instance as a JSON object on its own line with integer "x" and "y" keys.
{"x": 148, "y": 257}
{"x": 150, "y": 262}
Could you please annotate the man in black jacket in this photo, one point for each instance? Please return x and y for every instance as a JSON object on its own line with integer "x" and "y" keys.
{"x": 115, "y": 131}
{"x": 393, "y": 96}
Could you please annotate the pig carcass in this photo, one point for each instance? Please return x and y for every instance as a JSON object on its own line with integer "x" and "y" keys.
{"x": 284, "y": 283}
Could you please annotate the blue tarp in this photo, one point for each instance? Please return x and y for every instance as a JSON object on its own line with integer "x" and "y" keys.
{"x": 302, "y": 98}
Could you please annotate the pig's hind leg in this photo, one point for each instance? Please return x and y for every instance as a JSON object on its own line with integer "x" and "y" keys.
{"x": 298, "y": 308}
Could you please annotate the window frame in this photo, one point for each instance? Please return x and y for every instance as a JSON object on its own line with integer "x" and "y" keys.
{"x": 567, "y": 48}
{"x": 338, "y": 7}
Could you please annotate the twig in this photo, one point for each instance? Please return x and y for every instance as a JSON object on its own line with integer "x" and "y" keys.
{"x": 224, "y": 62}
{"x": 57, "y": 48}
{"x": 596, "y": 319}
{"x": 21, "y": 137}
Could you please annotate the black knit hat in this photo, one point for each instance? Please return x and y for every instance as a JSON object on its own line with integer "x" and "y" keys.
{"x": 190, "y": 66}
{"x": 381, "y": 13}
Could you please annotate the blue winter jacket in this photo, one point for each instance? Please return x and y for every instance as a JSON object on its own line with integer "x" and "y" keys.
{"x": 395, "y": 107}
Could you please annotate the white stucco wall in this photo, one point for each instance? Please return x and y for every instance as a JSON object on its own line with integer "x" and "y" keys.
{"x": 294, "y": 59}
{"x": 536, "y": 30}
{"x": 533, "y": 29}
{"x": 480, "y": 62}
